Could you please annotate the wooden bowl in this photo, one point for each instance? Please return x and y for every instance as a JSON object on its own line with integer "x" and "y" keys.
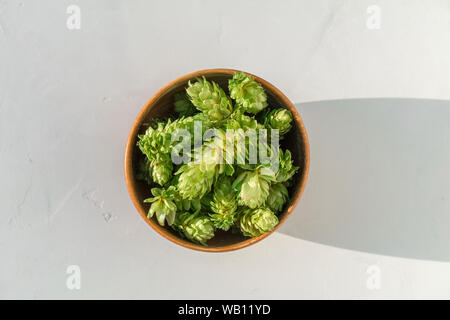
{"x": 160, "y": 105}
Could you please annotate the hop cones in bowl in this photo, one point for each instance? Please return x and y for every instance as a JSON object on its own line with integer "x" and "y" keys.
{"x": 221, "y": 184}
{"x": 199, "y": 178}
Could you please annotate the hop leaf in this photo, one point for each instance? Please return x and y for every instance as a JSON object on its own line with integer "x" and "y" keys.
{"x": 183, "y": 106}
{"x": 278, "y": 195}
{"x": 196, "y": 227}
{"x": 188, "y": 205}
{"x": 163, "y": 205}
{"x": 255, "y": 222}
{"x": 253, "y": 187}
{"x": 286, "y": 168}
{"x": 280, "y": 119}
{"x": 248, "y": 94}
{"x": 206, "y": 202}
{"x": 209, "y": 98}
{"x": 161, "y": 168}
{"x": 224, "y": 204}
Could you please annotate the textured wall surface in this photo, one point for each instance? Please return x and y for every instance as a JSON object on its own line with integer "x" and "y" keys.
{"x": 68, "y": 98}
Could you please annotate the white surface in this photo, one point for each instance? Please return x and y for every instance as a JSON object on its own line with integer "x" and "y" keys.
{"x": 379, "y": 177}
{"x": 68, "y": 99}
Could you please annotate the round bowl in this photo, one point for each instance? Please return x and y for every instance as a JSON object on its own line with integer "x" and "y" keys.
{"x": 161, "y": 104}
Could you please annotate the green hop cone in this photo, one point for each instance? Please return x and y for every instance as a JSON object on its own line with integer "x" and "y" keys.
{"x": 280, "y": 119}
{"x": 150, "y": 143}
{"x": 195, "y": 180}
{"x": 183, "y": 106}
{"x": 184, "y": 123}
{"x": 253, "y": 186}
{"x": 163, "y": 205}
{"x": 209, "y": 98}
{"x": 243, "y": 136}
{"x": 239, "y": 120}
{"x": 248, "y": 94}
{"x": 158, "y": 137}
{"x": 161, "y": 169}
{"x": 286, "y": 168}
{"x": 196, "y": 227}
{"x": 224, "y": 204}
{"x": 153, "y": 144}
{"x": 278, "y": 195}
{"x": 197, "y": 177}
{"x": 255, "y": 222}
{"x": 157, "y": 144}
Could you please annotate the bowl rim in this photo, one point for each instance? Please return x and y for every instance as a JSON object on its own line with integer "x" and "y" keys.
{"x": 130, "y": 145}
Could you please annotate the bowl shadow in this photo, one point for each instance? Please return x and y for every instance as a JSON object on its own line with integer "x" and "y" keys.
{"x": 379, "y": 177}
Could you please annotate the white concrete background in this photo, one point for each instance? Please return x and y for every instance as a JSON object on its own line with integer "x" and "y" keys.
{"x": 68, "y": 99}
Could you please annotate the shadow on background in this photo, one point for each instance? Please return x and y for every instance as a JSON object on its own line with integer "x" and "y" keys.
{"x": 379, "y": 178}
